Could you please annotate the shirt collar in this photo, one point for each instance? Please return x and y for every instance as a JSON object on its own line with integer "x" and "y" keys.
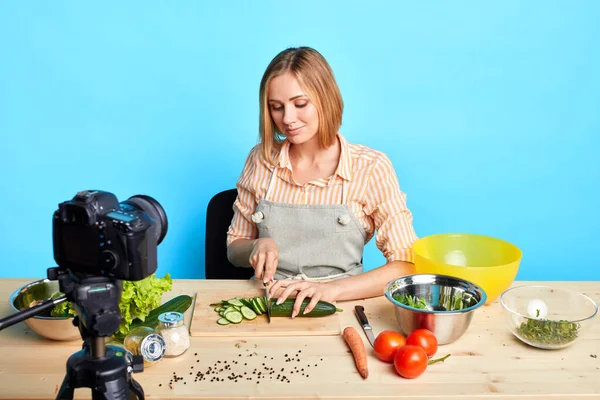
{"x": 344, "y": 169}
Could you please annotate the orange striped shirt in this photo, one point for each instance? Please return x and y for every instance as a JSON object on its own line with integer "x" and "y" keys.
{"x": 371, "y": 191}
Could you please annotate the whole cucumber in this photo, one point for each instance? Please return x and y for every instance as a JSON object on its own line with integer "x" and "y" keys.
{"x": 180, "y": 304}
{"x": 322, "y": 309}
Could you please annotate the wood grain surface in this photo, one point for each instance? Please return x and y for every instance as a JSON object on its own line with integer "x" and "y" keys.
{"x": 487, "y": 362}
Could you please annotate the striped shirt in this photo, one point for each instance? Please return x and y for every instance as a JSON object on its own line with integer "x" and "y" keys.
{"x": 371, "y": 192}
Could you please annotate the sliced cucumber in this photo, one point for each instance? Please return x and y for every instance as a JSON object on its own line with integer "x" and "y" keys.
{"x": 223, "y": 321}
{"x": 263, "y": 302}
{"x": 247, "y": 302}
{"x": 257, "y": 306}
{"x": 228, "y": 309}
{"x": 248, "y": 313}
{"x": 234, "y": 317}
{"x": 235, "y": 302}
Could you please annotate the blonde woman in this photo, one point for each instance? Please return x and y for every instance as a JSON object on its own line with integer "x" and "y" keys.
{"x": 308, "y": 200}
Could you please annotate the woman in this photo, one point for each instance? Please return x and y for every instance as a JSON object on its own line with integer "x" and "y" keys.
{"x": 308, "y": 201}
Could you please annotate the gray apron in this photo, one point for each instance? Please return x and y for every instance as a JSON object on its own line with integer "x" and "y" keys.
{"x": 316, "y": 242}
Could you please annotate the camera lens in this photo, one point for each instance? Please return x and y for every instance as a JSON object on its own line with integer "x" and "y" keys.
{"x": 154, "y": 210}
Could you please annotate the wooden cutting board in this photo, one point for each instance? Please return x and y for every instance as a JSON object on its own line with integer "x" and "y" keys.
{"x": 204, "y": 320}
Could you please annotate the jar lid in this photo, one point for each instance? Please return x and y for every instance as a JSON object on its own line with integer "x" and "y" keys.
{"x": 153, "y": 347}
{"x": 171, "y": 319}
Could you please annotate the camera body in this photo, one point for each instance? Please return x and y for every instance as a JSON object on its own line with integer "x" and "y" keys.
{"x": 96, "y": 235}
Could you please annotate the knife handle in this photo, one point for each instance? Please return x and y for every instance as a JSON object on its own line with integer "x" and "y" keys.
{"x": 360, "y": 314}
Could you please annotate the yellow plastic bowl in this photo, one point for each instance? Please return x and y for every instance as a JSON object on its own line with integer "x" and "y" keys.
{"x": 488, "y": 262}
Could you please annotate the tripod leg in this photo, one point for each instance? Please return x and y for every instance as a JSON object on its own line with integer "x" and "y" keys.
{"x": 136, "y": 389}
{"x": 65, "y": 392}
{"x": 112, "y": 390}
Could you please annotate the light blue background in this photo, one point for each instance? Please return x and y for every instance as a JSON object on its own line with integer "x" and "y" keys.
{"x": 490, "y": 112}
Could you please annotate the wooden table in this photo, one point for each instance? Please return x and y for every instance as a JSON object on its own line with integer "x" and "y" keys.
{"x": 486, "y": 362}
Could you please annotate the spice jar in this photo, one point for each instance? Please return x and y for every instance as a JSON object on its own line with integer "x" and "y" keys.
{"x": 175, "y": 333}
{"x": 143, "y": 341}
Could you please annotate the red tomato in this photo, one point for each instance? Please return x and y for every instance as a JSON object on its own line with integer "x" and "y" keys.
{"x": 410, "y": 361}
{"x": 386, "y": 344}
{"x": 425, "y": 339}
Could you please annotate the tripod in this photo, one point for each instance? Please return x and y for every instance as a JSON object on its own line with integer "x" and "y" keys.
{"x": 106, "y": 370}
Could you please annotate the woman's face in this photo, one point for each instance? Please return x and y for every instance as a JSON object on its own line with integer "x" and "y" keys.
{"x": 293, "y": 113}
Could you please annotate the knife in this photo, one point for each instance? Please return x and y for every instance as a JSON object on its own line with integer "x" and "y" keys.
{"x": 364, "y": 322}
{"x": 268, "y": 298}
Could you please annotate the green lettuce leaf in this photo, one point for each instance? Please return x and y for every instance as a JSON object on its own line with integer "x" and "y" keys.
{"x": 64, "y": 309}
{"x": 141, "y": 297}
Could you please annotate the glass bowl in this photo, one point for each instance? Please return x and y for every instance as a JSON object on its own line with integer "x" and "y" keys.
{"x": 547, "y": 317}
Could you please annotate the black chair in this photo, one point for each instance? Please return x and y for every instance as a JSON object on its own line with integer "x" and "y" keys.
{"x": 219, "y": 213}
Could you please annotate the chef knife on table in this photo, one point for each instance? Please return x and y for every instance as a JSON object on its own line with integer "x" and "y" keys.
{"x": 364, "y": 322}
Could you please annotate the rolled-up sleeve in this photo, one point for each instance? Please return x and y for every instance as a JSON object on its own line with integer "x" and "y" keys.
{"x": 386, "y": 205}
{"x": 242, "y": 226}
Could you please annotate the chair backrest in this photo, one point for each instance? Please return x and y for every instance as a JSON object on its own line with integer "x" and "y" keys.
{"x": 219, "y": 214}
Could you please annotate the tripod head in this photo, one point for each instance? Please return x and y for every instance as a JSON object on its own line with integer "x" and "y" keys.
{"x": 95, "y": 299}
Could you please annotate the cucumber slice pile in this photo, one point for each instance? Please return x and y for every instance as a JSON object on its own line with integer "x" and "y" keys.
{"x": 234, "y": 311}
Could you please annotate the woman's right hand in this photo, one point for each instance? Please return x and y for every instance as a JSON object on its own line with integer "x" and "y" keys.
{"x": 263, "y": 258}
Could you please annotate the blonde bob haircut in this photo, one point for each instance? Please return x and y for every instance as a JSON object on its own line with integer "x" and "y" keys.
{"x": 315, "y": 76}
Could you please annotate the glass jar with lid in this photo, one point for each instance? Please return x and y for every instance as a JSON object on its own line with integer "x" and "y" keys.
{"x": 173, "y": 330}
{"x": 144, "y": 341}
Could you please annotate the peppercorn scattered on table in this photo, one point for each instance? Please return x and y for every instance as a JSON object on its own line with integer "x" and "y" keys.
{"x": 486, "y": 362}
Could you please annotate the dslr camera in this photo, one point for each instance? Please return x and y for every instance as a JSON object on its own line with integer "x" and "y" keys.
{"x": 94, "y": 234}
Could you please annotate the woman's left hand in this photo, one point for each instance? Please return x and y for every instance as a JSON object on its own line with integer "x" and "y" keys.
{"x": 317, "y": 291}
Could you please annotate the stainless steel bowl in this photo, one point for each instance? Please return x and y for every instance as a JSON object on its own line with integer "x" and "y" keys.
{"x": 439, "y": 292}
{"x": 56, "y": 328}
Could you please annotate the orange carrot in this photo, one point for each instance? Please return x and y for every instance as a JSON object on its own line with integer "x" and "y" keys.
{"x": 357, "y": 347}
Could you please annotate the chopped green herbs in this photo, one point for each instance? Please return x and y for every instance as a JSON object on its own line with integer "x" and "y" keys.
{"x": 411, "y": 301}
{"x": 454, "y": 302}
{"x": 547, "y": 332}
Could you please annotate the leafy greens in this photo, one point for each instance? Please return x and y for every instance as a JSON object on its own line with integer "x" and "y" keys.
{"x": 548, "y": 332}
{"x": 411, "y": 301}
{"x": 454, "y": 302}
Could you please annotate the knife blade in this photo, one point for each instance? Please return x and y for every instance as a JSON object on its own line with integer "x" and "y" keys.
{"x": 364, "y": 322}
{"x": 268, "y": 298}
